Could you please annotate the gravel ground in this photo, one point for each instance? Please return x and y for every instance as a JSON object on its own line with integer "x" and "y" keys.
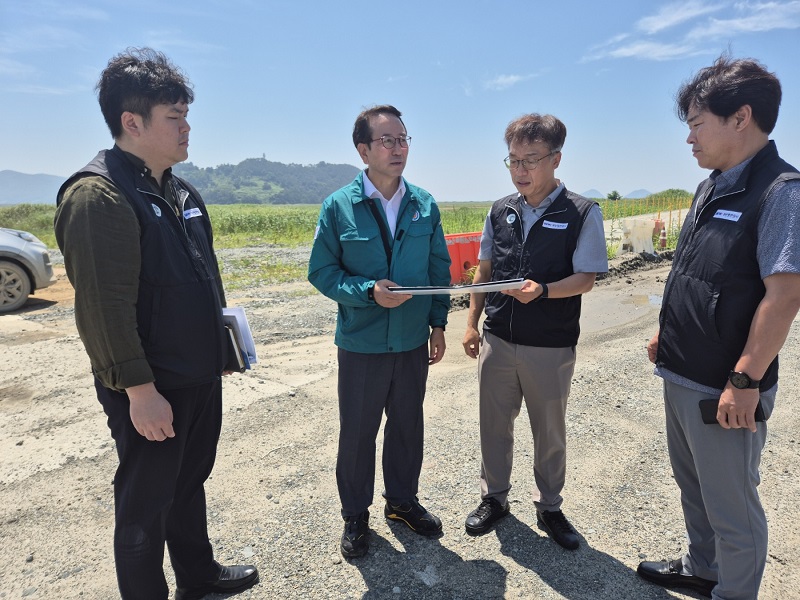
{"x": 272, "y": 497}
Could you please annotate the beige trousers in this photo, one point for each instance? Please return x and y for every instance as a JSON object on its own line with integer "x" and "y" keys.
{"x": 507, "y": 373}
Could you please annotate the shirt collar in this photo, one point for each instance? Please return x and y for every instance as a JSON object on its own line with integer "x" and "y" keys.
{"x": 145, "y": 171}
{"x": 549, "y": 199}
{"x": 372, "y": 192}
{"x": 725, "y": 179}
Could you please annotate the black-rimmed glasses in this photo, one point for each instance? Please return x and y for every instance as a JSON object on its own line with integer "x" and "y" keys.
{"x": 527, "y": 163}
{"x": 389, "y": 141}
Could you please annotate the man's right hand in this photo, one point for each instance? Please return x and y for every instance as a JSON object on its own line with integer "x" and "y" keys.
{"x": 388, "y": 299}
{"x": 652, "y": 348}
{"x": 151, "y": 414}
{"x": 472, "y": 342}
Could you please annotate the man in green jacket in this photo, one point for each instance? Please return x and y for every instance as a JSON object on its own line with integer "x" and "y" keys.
{"x": 376, "y": 233}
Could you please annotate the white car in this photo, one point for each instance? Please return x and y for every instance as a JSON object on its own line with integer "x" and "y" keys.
{"x": 24, "y": 267}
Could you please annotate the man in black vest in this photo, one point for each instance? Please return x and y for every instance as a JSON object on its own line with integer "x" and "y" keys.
{"x": 139, "y": 252}
{"x": 554, "y": 240}
{"x": 731, "y": 297}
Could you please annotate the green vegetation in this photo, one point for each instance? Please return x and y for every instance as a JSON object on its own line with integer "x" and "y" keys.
{"x": 34, "y": 218}
{"x": 243, "y": 225}
{"x": 260, "y": 181}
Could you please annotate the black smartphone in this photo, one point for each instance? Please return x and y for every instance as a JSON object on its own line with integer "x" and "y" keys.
{"x": 709, "y": 406}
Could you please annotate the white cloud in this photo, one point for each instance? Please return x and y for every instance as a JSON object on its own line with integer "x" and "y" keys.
{"x": 503, "y": 82}
{"x": 675, "y": 14}
{"x": 44, "y": 37}
{"x": 13, "y": 67}
{"x": 746, "y": 17}
{"x": 762, "y": 17}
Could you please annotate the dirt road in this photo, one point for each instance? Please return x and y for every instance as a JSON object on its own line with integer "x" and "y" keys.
{"x": 272, "y": 497}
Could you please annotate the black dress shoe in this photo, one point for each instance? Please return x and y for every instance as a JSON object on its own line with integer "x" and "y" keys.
{"x": 669, "y": 573}
{"x": 415, "y": 516}
{"x": 355, "y": 537}
{"x": 488, "y": 511}
{"x": 232, "y": 580}
{"x": 557, "y": 527}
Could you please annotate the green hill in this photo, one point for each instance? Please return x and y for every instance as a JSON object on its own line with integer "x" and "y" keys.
{"x": 260, "y": 181}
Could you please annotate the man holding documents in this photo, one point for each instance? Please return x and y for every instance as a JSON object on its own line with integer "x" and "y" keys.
{"x": 138, "y": 249}
{"x": 554, "y": 240}
{"x": 378, "y": 232}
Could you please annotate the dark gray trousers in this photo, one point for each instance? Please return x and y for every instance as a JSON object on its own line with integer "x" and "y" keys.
{"x": 369, "y": 385}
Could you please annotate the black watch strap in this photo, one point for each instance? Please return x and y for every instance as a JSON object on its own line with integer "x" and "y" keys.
{"x": 371, "y": 292}
{"x": 543, "y": 295}
{"x": 742, "y": 381}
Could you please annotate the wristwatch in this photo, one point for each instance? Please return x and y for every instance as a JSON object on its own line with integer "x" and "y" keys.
{"x": 543, "y": 295}
{"x": 371, "y": 292}
{"x": 742, "y": 381}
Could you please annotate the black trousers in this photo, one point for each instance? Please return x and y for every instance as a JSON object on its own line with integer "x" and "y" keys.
{"x": 158, "y": 492}
{"x": 370, "y": 384}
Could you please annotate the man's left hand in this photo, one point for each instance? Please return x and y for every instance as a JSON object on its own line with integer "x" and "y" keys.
{"x": 737, "y": 408}
{"x": 437, "y": 345}
{"x": 529, "y": 292}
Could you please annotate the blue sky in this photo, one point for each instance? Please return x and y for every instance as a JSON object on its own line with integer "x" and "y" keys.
{"x": 285, "y": 80}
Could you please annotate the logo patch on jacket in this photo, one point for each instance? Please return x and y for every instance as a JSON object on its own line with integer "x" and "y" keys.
{"x": 191, "y": 213}
{"x": 728, "y": 215}
{"x": 415, "y": 218}
{"x": 511, "y": 218}
{"x": 156, "y": 210}
{"x": 552, "y": 225}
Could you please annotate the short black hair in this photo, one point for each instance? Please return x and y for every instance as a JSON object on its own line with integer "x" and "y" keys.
{"x": 534, "y": 127}
{"x": 135, "y": 81}
{"x": 362, "y": 132}
{"x": 727, "y": 85}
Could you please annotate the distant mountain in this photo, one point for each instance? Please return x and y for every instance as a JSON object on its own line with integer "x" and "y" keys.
{"x": 22, "y": 188}
{"x": 593, "y": 193}
{"x": 260, "y": 181}
{"x": 638, "y": 194}
{"x": 252, "y": 181}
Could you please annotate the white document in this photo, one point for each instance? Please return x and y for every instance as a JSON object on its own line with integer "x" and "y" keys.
{"x": 489, "y": 286}
{"x": 235, "y": 318}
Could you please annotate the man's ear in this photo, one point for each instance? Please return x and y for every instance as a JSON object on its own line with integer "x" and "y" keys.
{"x": 743, "y": 117}
{"x": 132, "y": 124}
{"x": 362, "y": 152}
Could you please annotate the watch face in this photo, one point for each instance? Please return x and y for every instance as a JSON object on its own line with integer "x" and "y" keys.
{"x": 739, "y": 380}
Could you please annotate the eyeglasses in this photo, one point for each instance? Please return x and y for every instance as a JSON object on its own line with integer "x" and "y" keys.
{"x": 527, "y": 163}
{"x": 389, "y": 141}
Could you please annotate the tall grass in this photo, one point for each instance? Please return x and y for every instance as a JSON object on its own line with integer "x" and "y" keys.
{"x": 241, "y": 225}
{"x": 34, "y": 218}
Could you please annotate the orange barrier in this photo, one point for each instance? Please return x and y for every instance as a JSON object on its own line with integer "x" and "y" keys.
{"x": 463, "y": 249}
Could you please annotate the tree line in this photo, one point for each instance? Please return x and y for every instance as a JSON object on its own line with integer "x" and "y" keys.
{"x": 260, "y": 181}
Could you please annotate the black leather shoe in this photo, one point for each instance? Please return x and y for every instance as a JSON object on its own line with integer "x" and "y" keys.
{"x": 669, "y": 573}
{"x": 232, "y": 580}
{"x": 355, "y": 537}
{"x": 415, "y": 516}
{"x": 488, "y": 511}
{"x": 555, "y": 524}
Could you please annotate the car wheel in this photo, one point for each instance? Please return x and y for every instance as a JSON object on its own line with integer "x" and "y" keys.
{"x": 15, "y": 286}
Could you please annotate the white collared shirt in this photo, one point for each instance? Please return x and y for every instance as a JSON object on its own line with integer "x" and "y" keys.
{"x": 392, "y": 206}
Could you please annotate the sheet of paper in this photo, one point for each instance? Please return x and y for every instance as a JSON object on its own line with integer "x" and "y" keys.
{"x": 490, "y": 286}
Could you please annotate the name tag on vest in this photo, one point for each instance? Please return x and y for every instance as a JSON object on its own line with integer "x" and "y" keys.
{"x": 728, "y": 215}
{"x": 551, "y": 225}
{"x": 191, "y": 213}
